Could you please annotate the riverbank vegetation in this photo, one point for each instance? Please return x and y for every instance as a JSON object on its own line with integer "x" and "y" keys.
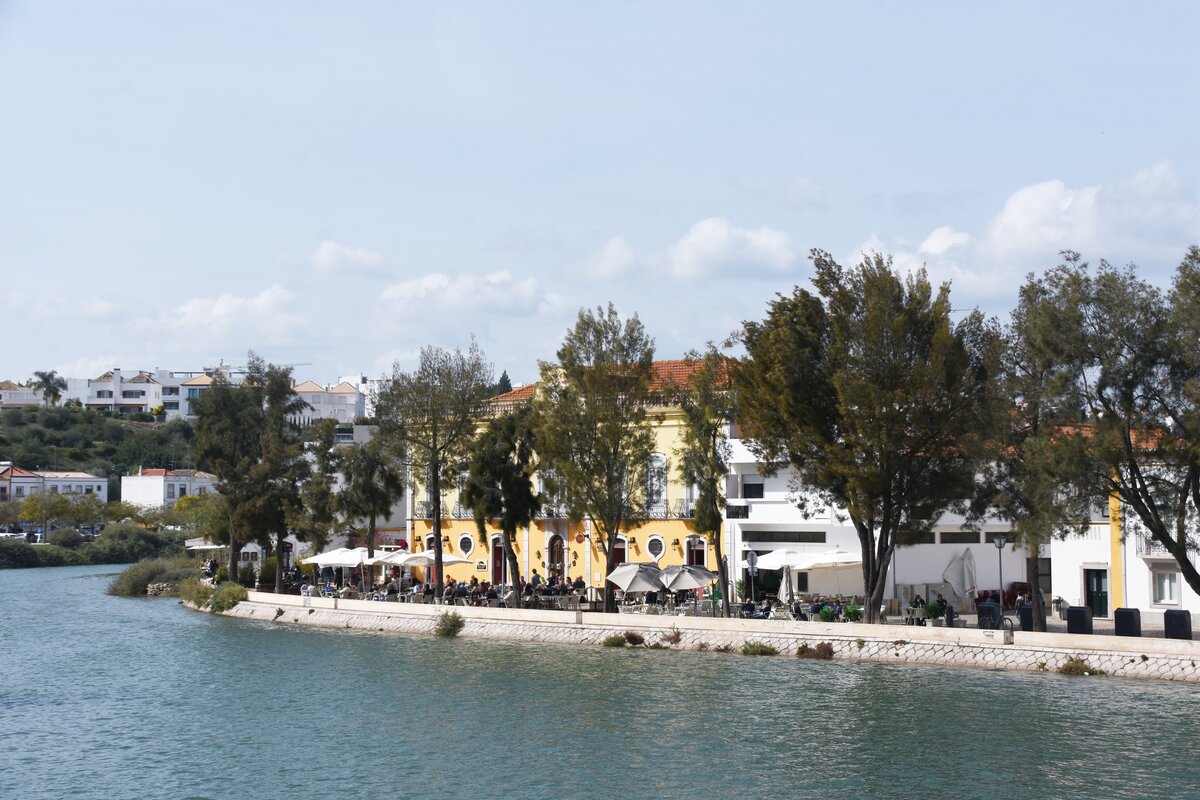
{"x": 137, "y": 577}
{"x": 205, "y": 596}
{"x": 121, "y": 543}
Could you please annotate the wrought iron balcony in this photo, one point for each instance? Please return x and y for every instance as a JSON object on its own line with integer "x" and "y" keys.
{"x": 737, "y": 512}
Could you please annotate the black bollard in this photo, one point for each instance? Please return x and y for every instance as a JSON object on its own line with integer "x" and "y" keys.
{"x": 1079, "y": 619}
{"x": 1127, "y": 622}
{"x": 1177, "y": 624}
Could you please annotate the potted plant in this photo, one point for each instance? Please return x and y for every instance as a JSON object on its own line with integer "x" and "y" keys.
{"x": 853, "y": 612}
{"x": 827, "y": 614}
{"x": 931, "y": 612}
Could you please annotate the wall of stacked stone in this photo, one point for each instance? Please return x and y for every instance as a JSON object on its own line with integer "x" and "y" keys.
{"x": 897, "y": 644}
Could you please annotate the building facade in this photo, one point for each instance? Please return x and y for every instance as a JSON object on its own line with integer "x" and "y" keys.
{"x": 163, "y": 488}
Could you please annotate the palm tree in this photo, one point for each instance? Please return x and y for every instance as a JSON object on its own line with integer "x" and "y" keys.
{"x": 50, "y": 384}
{"x": 373, "y": 483}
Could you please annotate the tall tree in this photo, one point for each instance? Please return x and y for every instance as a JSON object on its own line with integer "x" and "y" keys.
{"x": 243, "y": 437}
{"x": 504, "y": 385}
{"x": 594, "y": 425}
{"x": 373, "y": 482}
{"x": 50, "y": 384}
{"x": 1133, "y": 388}
{"x": 707, "y": 404}
{"x": 313, "y": 520}
{"x": 429, "y": 417}
{"x": 499, "y": 483}
{"x": 873, "y": 397}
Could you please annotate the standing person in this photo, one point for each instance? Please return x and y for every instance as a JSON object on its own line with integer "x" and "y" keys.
{"x": 535, "y": 580}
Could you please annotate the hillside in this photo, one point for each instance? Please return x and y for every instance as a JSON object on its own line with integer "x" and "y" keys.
{"x": 92, "y": 441}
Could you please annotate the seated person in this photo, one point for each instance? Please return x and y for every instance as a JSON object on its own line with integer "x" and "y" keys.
{"x": 428, "y": 591}
{"x": 917, "y": 602}
{"x": 747, "y": 608}
{"x": 578, "y": 585}
{"x": 491, "y": 593}
{"x": 763, "y": 610}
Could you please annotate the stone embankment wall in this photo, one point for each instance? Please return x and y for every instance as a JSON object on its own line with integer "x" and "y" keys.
{"x": 1164, "y": 659}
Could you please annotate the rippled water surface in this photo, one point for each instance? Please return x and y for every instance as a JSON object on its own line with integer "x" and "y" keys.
{"x": 117, "y": 698}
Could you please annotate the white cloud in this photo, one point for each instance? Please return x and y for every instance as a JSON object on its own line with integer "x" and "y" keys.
{"x": 943, "y": 239}
{"x": 1041, "y": 219}
{"x": 266, "y": 317}
{"x": 333, "y": 257}
{"x": 713, "y": 245}
{"x": 616, "y": 258}
{"x": 498, "y": 293}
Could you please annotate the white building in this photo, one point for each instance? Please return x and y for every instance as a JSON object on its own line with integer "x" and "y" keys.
{"x": 162, "y": 488}
{"x": 16, "y": 484}
{"x": 342, "y": 403}
{"x": 14, "y": 395}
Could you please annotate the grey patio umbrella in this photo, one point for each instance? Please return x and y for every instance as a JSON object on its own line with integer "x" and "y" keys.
{"x": 681, "y": 577}
{"x": 636, "y": 577}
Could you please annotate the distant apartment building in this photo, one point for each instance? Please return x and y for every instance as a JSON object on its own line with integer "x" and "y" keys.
{"x": 342, "y": 403}
{"x": 13, "y": 395}
{"x": 162, "y": 488}
{"x": 16, "y": 483}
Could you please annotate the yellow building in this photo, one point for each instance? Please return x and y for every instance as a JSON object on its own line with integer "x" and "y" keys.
{"x": 553, "y": 544}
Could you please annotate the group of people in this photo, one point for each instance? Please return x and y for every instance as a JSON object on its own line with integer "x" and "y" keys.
{"x": 556, "y": 585}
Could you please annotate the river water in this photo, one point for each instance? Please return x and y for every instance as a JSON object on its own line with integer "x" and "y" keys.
{"x": 104, "y": 697}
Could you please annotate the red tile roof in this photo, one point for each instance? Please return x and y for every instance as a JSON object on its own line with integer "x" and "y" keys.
{"x": 665, "y": 375}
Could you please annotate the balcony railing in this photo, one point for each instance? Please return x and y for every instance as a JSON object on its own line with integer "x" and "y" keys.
{"x": 737, "y": 512}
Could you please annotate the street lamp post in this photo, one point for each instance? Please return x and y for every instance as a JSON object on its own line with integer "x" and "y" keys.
{"x": 1000, "y": 540}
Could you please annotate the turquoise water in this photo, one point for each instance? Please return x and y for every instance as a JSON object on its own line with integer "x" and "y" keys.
{"x": 117, "y": 698}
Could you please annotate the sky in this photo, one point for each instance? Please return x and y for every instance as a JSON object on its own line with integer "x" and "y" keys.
{"x": 336, "y": 185}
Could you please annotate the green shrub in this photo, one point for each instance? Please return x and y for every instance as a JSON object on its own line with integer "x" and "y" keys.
{"x": 16, "y": 554}
{"x": 124, "y": 543}
{"x": 827, "y": 614}
{"x": 65, "y": 537}
{"x": 822, "y": 652}
{"x": 226, "y": 596}
{"x": 634, "y": 639}
{"x": 615, "y": 640}
{"x": 222, "y": 574}
{"x": 853, "y": 612}
{"x": 51, "y": 555}
{"x": 196, "y": 592}
{"x": 449, "y": 624}
{"x": 136, "y": 577}
{"x": 1077, "y": 666}
{"x": 246, "y": 576}
{"x": 753, "y": 648}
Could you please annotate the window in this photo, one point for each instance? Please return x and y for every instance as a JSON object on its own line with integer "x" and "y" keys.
{"x": 655, "y": 547}
{"x": 925, "y": 538}
{"x": 466, "y": 543}
{"x": 1165, "y": 583}
{"x": 170, "y": 391}
{"x": 53, "y": 490}
{"x": 429, "y": 542}
{"x": 798, "y": 537}
{"x": 752, "y": 489}
{"x": 656, "y": 485}
{"x": 87, "y": 489}
{"x": 20, "y": 491}
{"x": 801, "y": 581}
{"x": 960, "y": 537}
{"x": 170, "y": 491}
{"x": 183, "y": 490}
{"x": 200, "y": 490}
{"x": 697, "y": 552}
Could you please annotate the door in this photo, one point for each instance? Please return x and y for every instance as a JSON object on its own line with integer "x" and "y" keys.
{"x": 498, "y": 564}
{"x": 697, "y": 552}
{"x": 557, "y": 562}
{"x": 1095, "y": 583}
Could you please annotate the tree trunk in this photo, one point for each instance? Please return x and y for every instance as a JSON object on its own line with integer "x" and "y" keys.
{"x": 610, "y": 596}
{"x": 435, "y": 484}
{"x": 722, "y": 576}
{"x": 1035, "y": 590}
{"x": 279, "y": 537}
{"x": 514, "y": 575}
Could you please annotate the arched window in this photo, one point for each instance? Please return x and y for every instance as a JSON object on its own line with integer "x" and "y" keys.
{"x": 429, "y": 542}
{"x": 620, "y": 552}
{"x": 556, "y": 559}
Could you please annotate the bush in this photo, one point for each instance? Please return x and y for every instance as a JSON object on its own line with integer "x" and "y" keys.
{"x": 615, "y": 640}
{"x": 15, "y": 554}
{"x": 246, "y": 576}
{"x": 822, "y": 652}
{"x": 827, "y": 614}
{"x": 634, "y": 639}
{"x": 226, "y": 596}
{"x": 196, "y": 592}
{"x": 124, "y": 543}
{"x": 672, "y": 637}
{"x": 758, "y": 649}
{"x": 65, "y": 537}
{"x": 136, "y": 577}
{"x": 51, "y": 555}
{"x": 1077, "y": 666}
{"x": 449, "y": 624}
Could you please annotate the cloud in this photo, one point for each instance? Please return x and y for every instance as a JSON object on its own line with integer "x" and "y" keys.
{"x": 333, "y": 257}
{"x": 943, "y": 239}
{"x": 713, "y": 245}
{"x": 265, "y": 317}
{"x": 616, "y": 258}
{"x": 58, "y": 306}
{"x": 498, "y": 293}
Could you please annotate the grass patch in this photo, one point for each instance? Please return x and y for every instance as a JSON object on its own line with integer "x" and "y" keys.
{"x": 1077, "y": 666}
{"x": 615, "y": 640}
{"x": 196, "y": 592}
{"x": 753, "y": 648}
{"x": 672, "y": 637}
{"x": 634, "y": 639}
{"x": 822, "y": 652}
{"x": 226, "y": 596}
{"x": 136, "y": 577}
{"x": 449, "y": 624}
{"x": 724, "y": 648}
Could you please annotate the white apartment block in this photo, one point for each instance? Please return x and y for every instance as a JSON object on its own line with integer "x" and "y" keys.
{"x": 343, "y": 403}
{"x": 16, "y": 484}
{"x": 162, "y": 488}
{"x": 13, "y": 395}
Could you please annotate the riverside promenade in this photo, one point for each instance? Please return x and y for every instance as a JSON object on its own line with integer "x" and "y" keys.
{"x": 1153, "y": 658}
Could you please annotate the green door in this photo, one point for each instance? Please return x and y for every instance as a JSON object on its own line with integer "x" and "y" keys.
{"x": 1096, "y": 585}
